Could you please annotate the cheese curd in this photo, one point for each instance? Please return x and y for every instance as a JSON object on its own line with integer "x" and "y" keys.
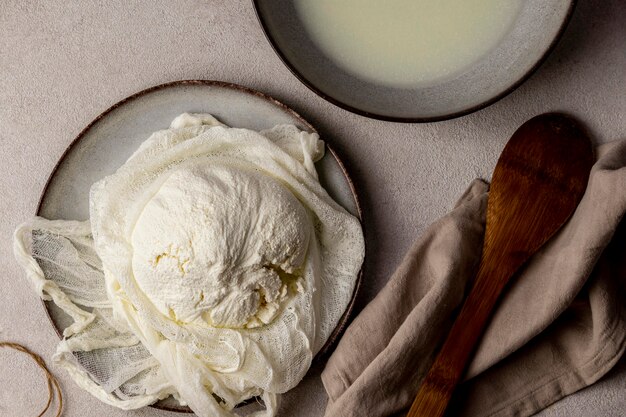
{"x": 220, "y": 245}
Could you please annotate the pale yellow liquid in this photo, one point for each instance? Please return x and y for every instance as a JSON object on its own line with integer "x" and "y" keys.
{"x": 407, "y": 43}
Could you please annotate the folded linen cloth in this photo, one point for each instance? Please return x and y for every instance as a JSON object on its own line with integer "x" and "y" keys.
{"x": 560, "y": 325}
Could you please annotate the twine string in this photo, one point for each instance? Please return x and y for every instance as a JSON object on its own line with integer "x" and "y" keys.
{"x": 52, "y": 382}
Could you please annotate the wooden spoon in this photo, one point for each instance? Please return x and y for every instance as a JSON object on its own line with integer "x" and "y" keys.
{"x": 538, "y": 182}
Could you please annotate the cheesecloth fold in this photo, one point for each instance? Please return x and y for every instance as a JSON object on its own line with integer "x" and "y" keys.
{"x": 124, "y": 351}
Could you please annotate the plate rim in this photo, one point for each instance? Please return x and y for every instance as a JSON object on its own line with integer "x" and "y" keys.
{"x": 345, "y": 317}
{"x": 402, "y": 119}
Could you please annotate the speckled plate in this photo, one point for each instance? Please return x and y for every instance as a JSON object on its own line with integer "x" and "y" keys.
{"x": 107, "y": 142}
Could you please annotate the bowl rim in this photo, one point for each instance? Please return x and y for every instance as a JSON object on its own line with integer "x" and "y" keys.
{"x": 346, "y": 316}
{"x": 429, "y": 119}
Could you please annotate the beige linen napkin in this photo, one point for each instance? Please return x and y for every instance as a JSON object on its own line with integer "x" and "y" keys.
{"x": 559, "y": 327}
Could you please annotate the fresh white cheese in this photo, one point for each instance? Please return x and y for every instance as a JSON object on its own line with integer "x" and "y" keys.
{"x": 220, "y": 244}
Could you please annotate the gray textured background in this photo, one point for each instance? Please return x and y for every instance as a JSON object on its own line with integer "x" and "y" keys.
{"x": 62, "y": 62}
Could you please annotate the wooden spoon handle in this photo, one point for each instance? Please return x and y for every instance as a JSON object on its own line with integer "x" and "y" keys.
{"x": 434, "y": 394}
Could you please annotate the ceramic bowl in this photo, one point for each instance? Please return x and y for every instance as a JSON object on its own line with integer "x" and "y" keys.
{"x": 535, "y": 31}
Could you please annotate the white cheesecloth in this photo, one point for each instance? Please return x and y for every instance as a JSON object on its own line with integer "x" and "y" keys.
{"x": 128, "y": 354}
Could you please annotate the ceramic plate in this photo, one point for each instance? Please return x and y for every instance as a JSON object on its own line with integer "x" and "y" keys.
{"x": 107, "y": 142}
